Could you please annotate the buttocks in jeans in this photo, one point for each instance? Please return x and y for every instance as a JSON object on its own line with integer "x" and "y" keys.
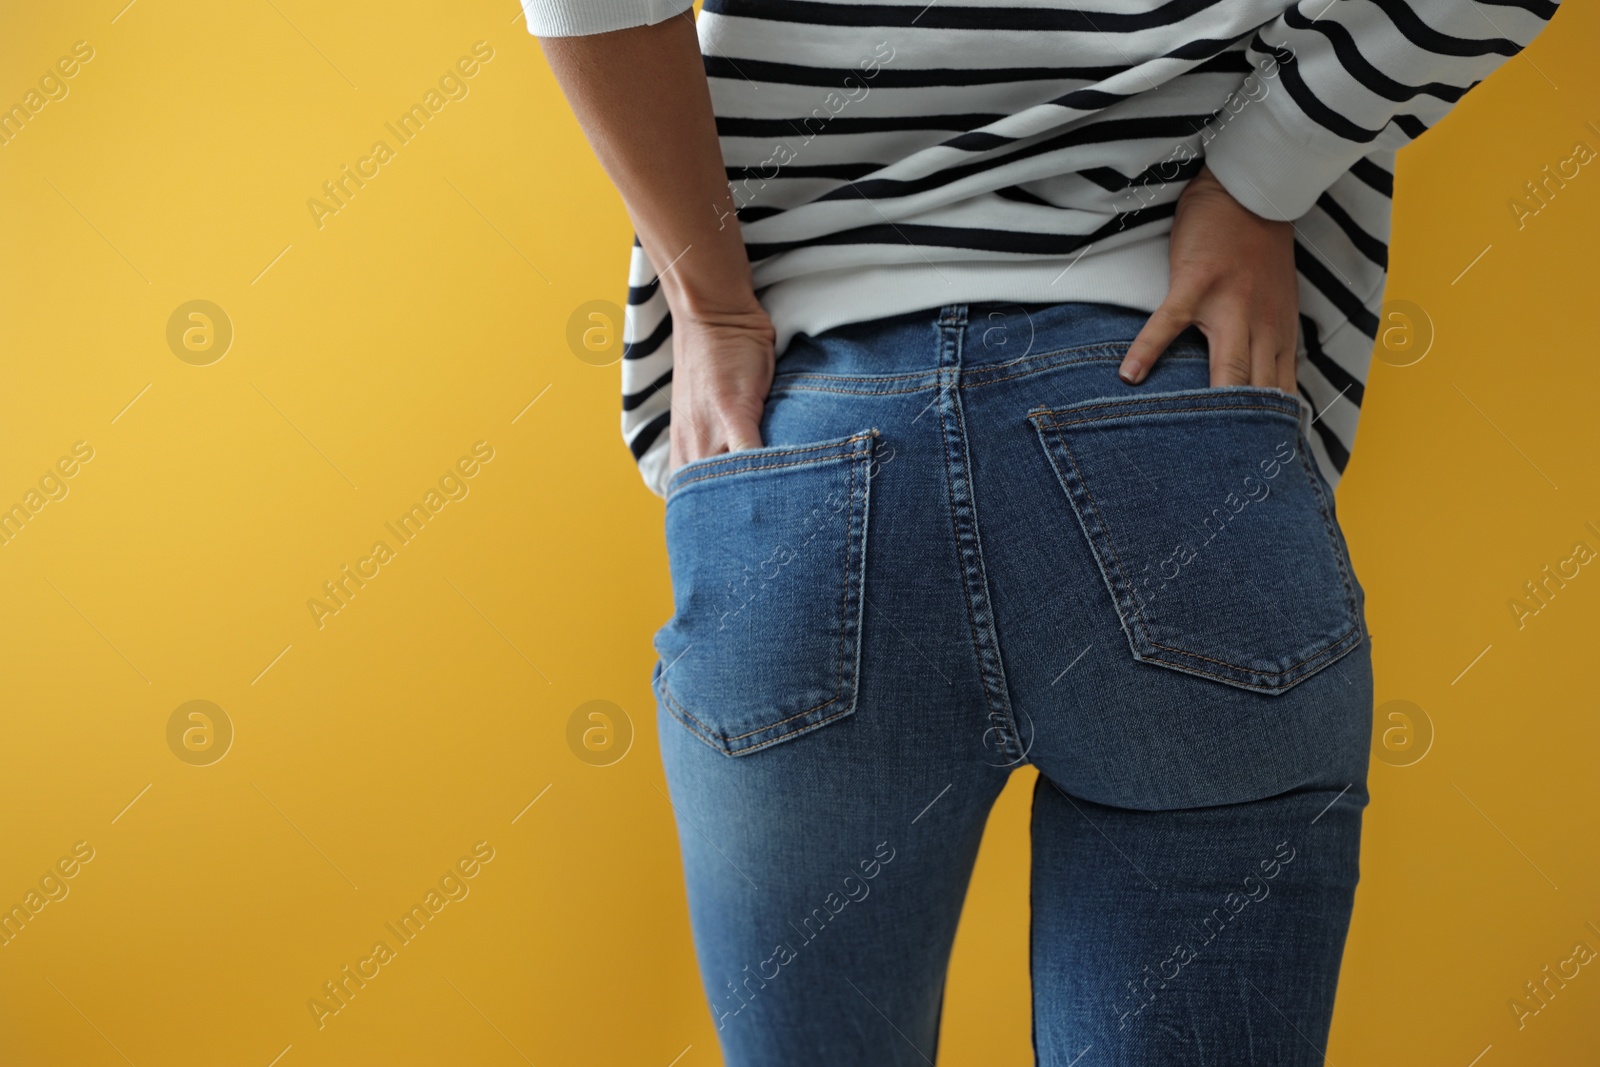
{"x": 966, "y": 545}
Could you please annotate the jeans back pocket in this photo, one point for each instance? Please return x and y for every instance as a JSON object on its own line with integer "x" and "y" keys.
{"x": 767, "y": 549}
{"x": 1215, "y": 534}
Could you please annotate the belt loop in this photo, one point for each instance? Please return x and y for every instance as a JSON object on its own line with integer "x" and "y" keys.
{"x": 953, "y": 315}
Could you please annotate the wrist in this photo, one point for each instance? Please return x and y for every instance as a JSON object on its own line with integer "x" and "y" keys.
{"x": 721, "y": 298}
{"x": 1205, "y": 179}
{"x": 1205, "y": 184}
{"x": 752, "y": 322}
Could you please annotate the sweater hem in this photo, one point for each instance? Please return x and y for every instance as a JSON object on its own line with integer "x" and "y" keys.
{"x": 561, "y": 18}
{"x": 1133, "y": 276}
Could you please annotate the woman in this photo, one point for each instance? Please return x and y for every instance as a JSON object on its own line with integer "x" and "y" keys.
{"x": 1074, "y": 309}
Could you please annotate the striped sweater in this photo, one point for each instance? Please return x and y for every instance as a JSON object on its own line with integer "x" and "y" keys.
{"x": 895, "y": 156}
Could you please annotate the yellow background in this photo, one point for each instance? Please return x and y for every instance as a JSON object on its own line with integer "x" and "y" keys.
{"x": 426, "y": 315}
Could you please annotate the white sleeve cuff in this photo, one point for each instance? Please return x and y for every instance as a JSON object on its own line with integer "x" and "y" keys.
{"x": 579, "y": 18}
{"x": 1273, "y": 171}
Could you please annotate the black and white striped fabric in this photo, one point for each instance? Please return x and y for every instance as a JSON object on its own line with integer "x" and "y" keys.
{"x": 894, "y": 156}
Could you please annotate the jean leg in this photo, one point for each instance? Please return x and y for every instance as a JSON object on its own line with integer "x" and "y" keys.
{"x": 825, "y": 880}
{"x": 1193, "y": 936}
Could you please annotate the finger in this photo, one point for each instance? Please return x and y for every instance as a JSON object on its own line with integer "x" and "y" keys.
{"x": 1230, "y": 356}
{"x": 1264, "y": 350}
{"x": 1287, "y": 368}
{"x": 677, "y": 442}
{"x": 1165, "y": 323}
{"x": 743, "y": 433}
{"x": 689, "y": 440}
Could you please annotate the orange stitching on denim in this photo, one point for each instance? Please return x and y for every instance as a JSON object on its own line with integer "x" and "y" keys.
{"x": 1057, "y": 363}
{"x": 794, "y": 451}
{"x": 1334, "y": 539}
{"x": 1349, "y": 593}
{"x": 1241, "y": 392}
{"x": 1162, "y": 411}
{"x": 760, "y": 744}
{"x": 845, "y": 447}
{"x": 779, "y": 390}
{"x": 1097, "y": 346}
{"x": 955, "y": 532}
{"x": 844, "y": 579}
{"x": 673, "y": 711}
{"x": 849, "y": 377}
{"x": 1251, "y": 685}
{"x": 1256, "y": 670}
{"x": 1138, "y": 617}
{"x": 797, "y": 382}
{"x": 1122, "y": 573}
{"x": 760, "y": 729}
{"x": 674, "y": 706}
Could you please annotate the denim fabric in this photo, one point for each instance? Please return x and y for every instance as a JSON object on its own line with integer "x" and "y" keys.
{"x": 967, "y": 545}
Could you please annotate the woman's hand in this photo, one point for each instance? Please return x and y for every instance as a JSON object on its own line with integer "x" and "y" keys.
{"x": 722, "y": 366}
{"x": 642, "y": 98}
{"x": 1233, "y": 276}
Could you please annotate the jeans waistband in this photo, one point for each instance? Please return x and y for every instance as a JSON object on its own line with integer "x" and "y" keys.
{"x": 991, "y": 333}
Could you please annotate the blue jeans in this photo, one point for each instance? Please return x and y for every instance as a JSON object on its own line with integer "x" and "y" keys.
{"x": 967, "y": 545}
